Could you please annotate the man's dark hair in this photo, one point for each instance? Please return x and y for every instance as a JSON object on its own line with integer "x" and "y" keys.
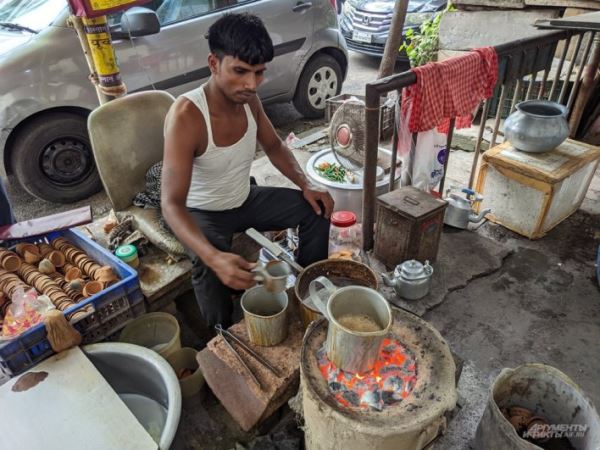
{"x": 242, "y": 36}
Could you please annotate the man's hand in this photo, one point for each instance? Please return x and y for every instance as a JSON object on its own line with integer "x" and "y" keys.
{"x": 233, "y": 270}
{"x": 313, "y": 194}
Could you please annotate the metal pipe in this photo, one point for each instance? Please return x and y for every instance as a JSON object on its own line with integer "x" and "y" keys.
{"x": 563, "y": 91}
{"x": 77, "y": 24}
{"x": 587, "y": 84}
{"x": 543, "y": 84}
{"x": 503, "y": 95}
{"x": 559, "y": 68}
{"x": 447, "y": 158}
{"x": 486, "y": 111}
{"x": 372, "y": 96}
{"x": 395, "y": 141}
{"x": 516, "y": 95}
{"x": 586, "y": 54}
{"x": 525, "y": 43}
{"x": 533, "y": 74}
{"x": 531, "y": 83}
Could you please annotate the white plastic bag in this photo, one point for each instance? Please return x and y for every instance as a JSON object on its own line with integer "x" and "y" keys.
{"x": 426, "y": 170}
{"x": 26, "y": 310}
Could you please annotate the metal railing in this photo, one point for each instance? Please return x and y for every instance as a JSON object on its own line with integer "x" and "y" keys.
{"x": 529, "y": 68}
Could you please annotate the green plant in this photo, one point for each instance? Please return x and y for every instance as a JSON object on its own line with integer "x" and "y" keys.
{"x": 422, "y": 46}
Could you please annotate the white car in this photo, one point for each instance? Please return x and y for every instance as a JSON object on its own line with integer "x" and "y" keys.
{"x": 45, "y": 94}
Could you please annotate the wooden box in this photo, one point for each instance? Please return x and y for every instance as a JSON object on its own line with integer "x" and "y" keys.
{"x": 409, "y": 225}
{"x": 531, "y": 193}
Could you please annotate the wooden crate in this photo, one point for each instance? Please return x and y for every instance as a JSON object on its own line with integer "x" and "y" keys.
{"x": 531, "y": 193}
{"x": 409, "y": 224}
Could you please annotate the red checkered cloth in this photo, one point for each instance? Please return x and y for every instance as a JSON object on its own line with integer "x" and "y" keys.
{"x": 451, "y": 88}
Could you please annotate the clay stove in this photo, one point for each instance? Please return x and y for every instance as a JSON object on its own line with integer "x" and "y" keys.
{"x": 400, "y": 405}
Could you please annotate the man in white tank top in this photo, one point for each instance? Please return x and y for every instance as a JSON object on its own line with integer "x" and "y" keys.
{"x": 210, "y": 142}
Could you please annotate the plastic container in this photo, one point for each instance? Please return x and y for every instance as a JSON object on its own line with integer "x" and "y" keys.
{"x": 185, "y": 358}
{"x": 157, "y": 331}
{"x": 113, "y": 308}
{"x": 129, "y": 255}
{"x": 345, "y": 235}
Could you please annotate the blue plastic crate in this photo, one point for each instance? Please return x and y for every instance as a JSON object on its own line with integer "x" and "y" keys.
{"x": 114, "y": 307}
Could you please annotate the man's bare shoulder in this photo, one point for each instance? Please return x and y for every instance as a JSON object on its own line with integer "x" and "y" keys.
{"x": 184, "y": 111}
{"x": 255, "y": 106}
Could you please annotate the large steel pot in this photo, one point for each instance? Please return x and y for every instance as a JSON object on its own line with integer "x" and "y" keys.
{"x": 537, "y": 126}
{"x": 146, "y": 383}
{"x": 346, "y": 195}
{"x": 341, "y": 272}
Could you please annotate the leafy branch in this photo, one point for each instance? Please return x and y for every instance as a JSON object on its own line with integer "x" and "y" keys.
{"x": 422, "y": 46}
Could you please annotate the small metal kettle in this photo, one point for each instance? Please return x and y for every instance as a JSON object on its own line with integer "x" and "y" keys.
{"x": 459, "y": 212}
{"x": 411, "y": 279}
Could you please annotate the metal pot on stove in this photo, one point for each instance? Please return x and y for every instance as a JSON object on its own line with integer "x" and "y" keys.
{"x": 411, "y": 279}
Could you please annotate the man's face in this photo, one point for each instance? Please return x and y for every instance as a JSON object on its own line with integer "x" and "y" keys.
{"x": 236, "y": 79}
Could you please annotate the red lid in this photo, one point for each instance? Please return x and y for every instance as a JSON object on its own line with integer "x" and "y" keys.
{"x": 343, "y": 218}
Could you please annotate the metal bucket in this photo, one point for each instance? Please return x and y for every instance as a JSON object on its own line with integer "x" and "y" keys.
{"x": 547, "y": 393}
{"x": 341, "y": 272}
{"x": 265, "y": 314}
{"x": 359, "y": 319}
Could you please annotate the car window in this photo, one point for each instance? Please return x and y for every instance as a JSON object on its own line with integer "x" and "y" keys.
{"x": 172, "y": 11}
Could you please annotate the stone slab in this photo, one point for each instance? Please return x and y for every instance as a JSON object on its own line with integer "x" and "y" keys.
{"x": 247, "y": 403}
{"x": 463, "y": 257}
{"x": 586, "y": 4}
{"x": 464, "y": 30}
{"x": 491, "y": 3}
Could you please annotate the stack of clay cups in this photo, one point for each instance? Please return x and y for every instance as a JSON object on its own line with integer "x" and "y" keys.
{"x": 79, "y": 259}
{"x": 4, "y": 304}
{"x": 29, "y": 252}
{"x": 46, "y": 286}
{"x": 76, "y": 257}
{"x": 9, "y": 261}
{"x": 9, "y": 282}
{"x": 106, "y": 276}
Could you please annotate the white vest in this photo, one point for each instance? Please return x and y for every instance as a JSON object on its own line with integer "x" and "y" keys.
{"x": 221, "y": 175}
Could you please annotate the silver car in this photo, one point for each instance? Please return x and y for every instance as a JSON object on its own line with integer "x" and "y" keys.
{"x": 45, "y": 94}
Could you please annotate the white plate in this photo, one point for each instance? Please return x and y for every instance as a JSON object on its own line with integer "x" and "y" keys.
{"x": 361, "y": 36}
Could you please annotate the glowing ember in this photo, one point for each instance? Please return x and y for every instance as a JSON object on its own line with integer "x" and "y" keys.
{"x": 391, "y": 381}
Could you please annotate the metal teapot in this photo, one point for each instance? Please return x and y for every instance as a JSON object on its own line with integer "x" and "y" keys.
{"x": 411, "y": 279}
{"x": 459, "y": 212}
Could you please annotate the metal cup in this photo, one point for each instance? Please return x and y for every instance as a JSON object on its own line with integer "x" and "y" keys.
{"x": 265, "y": 314}
{"x": 350, "y": 350}
{"x": 273, "y": 275}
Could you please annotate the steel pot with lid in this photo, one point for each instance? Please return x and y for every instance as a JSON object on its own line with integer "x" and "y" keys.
{"x": 411, "y": 279}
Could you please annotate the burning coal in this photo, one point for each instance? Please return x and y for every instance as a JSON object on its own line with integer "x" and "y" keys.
{"x": 391, "y": 381}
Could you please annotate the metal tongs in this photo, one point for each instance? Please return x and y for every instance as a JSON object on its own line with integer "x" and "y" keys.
{"x": 228, "y": 336}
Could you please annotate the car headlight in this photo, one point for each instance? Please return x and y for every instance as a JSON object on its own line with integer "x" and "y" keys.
{"x": 416, "y": 19}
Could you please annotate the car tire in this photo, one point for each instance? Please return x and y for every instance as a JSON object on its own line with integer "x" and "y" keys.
{"x": 52, "y": 158}
{"x": 321, "y": 79}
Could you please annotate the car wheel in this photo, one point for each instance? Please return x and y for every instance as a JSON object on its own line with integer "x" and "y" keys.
{"x": 321, "y": 79}
{"x": 52, "y": 158}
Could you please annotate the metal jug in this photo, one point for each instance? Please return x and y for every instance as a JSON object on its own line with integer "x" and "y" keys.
{"x": 351, "y": 348}
{"x": 459, "y": 212}
{"x": 411, "y": 279}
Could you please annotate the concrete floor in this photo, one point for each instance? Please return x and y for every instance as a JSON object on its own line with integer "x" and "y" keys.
{"x": 541, "y": 305}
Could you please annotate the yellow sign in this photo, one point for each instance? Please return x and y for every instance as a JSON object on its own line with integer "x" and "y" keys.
{"x": 100, "y": 5}
{"x": 98, "y": 36}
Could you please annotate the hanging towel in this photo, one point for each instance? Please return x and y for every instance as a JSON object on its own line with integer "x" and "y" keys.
{"x": 451, "y": 88}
